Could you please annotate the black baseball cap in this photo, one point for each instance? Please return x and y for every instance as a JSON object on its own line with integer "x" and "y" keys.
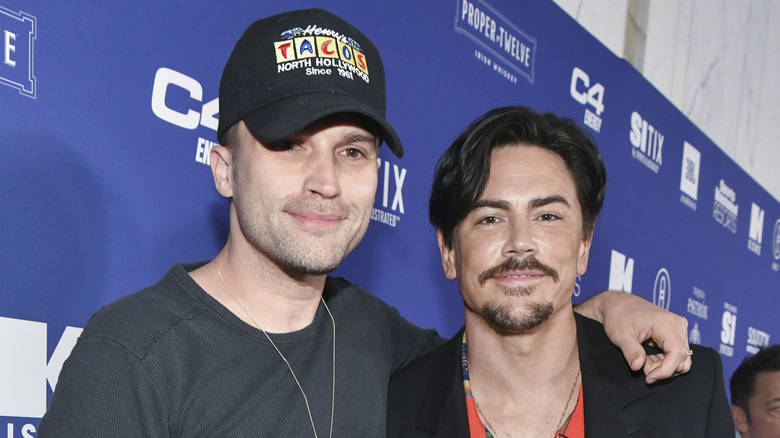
{"x": 290, "y": 70}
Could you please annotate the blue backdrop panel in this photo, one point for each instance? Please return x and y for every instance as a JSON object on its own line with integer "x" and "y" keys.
{"x": 109, "y": 111}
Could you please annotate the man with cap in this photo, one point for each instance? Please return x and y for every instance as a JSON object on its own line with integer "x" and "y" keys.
{"x": 260, "y": 341}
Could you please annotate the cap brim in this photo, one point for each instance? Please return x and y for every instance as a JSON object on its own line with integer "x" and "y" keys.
{"x": 283, "y": 118}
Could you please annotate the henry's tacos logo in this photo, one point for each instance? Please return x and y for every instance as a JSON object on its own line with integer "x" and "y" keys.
{"x": 319, "y": 50}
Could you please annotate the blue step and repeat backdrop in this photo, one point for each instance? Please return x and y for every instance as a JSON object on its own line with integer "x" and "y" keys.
{"x": 109, "y": 111}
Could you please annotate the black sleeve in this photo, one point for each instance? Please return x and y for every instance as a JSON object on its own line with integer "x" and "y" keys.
{"x": 104, "y": 390}
{"x": 720, "y": 422}
{"x": 410, "y": 341}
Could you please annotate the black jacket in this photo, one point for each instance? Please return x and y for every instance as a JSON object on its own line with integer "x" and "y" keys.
{"x": 426, "y": 398}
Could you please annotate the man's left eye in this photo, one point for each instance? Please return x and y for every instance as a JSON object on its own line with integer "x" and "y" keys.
{"x": 353, "y": 152}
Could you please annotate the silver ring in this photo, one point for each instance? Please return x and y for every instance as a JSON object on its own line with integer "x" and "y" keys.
{"x": 689, "y": 352}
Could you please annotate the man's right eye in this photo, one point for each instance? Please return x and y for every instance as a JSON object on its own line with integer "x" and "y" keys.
{"x": 488, "y": 220}
{"x": 280, "y": 145}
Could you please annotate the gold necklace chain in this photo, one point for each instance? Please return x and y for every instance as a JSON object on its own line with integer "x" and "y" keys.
{"x": 484, "y": 417}
{"x": 565, "y": 408}
{"x": 560, "y": 421}
{"x": 305, "y": 398}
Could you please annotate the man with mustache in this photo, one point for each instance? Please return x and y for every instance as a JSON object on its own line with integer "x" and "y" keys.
{"x": 260, "y": 341}
{"x": 514, "y": 202}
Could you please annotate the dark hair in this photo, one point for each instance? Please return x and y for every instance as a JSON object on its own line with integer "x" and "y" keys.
{"x": 463, "y": 170}
{"x": 743, "y": 381}
{"x": 231, "y": 137}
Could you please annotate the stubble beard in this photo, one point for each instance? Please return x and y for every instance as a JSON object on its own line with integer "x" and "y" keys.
{"x": 506, "y": 318}
{"x": 509, "y": 318}
{"x": 293, "y": 253}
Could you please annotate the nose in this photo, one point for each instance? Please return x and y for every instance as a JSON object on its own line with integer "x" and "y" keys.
{"x": 322, "y": 175}
{"x": 520, "y": 240}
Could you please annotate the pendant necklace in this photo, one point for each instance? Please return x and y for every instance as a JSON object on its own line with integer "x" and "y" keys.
{"x": 483, "y": 417}
{"x": 305, "y": 398}
{"x": 558, "y": 432}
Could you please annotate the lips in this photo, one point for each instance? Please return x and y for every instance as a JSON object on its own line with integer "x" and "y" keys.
{"x": 520, "y": 276}
{"x": 529, "y": 268}
{"x": 318, "y": 220}
{"x": 317, "y": 214}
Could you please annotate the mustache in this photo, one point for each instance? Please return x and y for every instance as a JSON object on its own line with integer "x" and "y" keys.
{"x": 529, "y": 263}
{"x": 317, "y": 206}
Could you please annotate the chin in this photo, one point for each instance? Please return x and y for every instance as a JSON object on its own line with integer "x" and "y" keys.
{"x": 506, "y": 318}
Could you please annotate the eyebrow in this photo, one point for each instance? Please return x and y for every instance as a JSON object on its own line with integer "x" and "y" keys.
{"x": 351, "y": 136}
{"x": 533, "y": 203}
{"x": 490, "y": 203}
{"x": 547, "y": 200}
{"x": 359, "y": 137}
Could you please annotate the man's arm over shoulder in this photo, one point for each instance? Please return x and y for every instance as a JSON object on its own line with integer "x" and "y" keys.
{"x": 629, "y": 321}
{"x": 401, "y": 340}
{"x": 412, "y": 342}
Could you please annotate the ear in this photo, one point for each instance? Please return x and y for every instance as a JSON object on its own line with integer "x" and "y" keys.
{"x": 584, "y": 253}
{"x": 447, "y": 257}
{"x": 221, "y": 163}
{"x": 740, "y": 419}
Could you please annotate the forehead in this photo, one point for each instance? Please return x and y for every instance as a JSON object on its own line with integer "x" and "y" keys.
{"x": 521, "y": 169}
{"x": 768, "y": 384}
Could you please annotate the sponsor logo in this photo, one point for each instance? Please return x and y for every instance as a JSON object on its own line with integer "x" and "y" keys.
{"x": 756, "y": 339}
{"x": 577, "y": 286}
{"x": 592, "y": 96}
{"x": 394, "y": 203}
{"x": 694, "y": 336}
{"x": 18, "y": 31}
{"x": 180, "y": 112}
{"x": 698, "y": 308}
{"x": 756, "y": 230}
{"x": 725, "y": 208}
{"x": 319, "y": 50}
{"x": 776, "y": 246}
{"x": 696, "y": 305}
{"x": 512, "y": 50}
{"x": 662, "y": 289}
{"x": 170, "y": 104}
{"x": 621, "y": 272}
{"x": 728, "y": 330}
{"x": 24, "y": 370}
{"x": 203, "y": 151}
{"x": 689, "y": 177}
{"x": 26, "y": 428}
{"x": 648, "y": 142}
{"x": 776, "y": 241}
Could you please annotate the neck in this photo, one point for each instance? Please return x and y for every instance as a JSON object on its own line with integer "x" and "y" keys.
{"x": 542, "y": 353}
{"x": 522, "y": 380}
{"x": 258, "y": 291}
